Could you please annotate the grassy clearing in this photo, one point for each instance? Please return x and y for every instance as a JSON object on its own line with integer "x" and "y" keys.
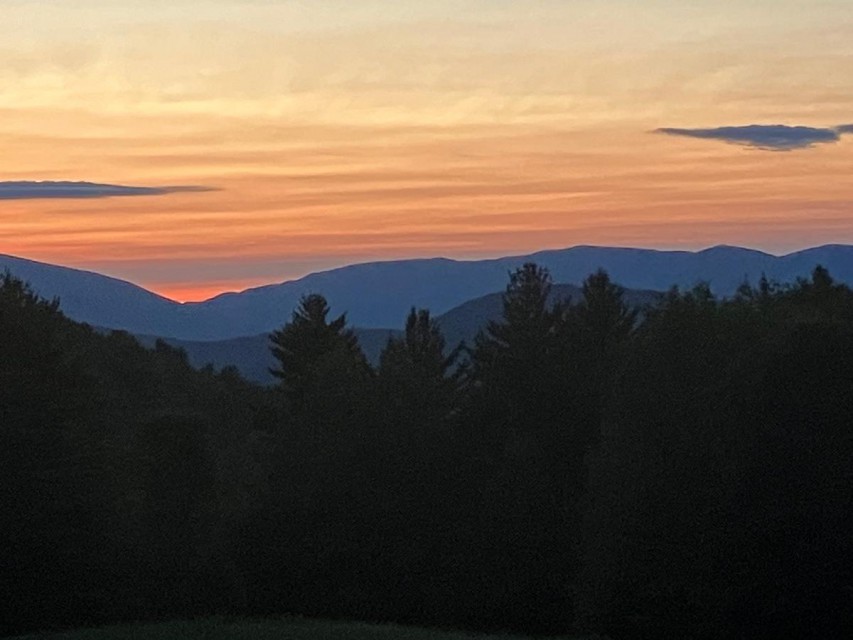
{"x": 288, "y": 629}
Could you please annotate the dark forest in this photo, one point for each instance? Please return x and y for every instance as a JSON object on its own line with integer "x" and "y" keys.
{"x": 683, "y": 470}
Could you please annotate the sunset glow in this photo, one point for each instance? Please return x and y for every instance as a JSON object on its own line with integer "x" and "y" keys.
{"x": 333, "y": 132}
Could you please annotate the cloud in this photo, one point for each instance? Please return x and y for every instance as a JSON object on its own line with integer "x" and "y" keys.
{"x": 30, "y": 190}
{"x": 769, "y": 137}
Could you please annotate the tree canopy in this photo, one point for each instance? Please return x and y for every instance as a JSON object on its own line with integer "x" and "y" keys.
{"x": 681, "y": 470}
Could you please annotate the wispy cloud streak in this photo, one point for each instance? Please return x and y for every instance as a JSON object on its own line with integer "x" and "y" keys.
{"x": 32, "y": 190}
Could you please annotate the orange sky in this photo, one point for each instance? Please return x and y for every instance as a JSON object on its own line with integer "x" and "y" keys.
{"x": 331, "y": 134}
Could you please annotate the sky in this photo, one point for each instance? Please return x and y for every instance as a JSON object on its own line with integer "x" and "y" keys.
{"x": 222, "y": 144}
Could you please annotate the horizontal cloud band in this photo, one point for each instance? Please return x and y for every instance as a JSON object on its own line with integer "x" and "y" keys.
{"x": 772, "y": 137}
{"x": 29, "y": 190}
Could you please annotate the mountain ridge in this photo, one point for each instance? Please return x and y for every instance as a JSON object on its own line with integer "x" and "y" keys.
{"x": 378, "y": 294}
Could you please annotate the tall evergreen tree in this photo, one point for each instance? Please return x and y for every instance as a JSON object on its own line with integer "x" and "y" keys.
{"x": 591, "y": 337}
{"x": 602, "y": 314}
{"x": 516, "y": 350}
{"x": 416, "y": 375}
{"x": 311, "y": 351}
{"x": 518, "y": 412}
{"x": 514, "y": 375}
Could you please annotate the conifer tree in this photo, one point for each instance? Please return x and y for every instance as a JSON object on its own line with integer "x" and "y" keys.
{"x": 310, "y": 345}
{"x": 602, "y": 314}
{"x": 591, "y": 336}
{"x": 520, "y": 411}
{"x": 522, "y": 341}
{"x": 415, "y": 374}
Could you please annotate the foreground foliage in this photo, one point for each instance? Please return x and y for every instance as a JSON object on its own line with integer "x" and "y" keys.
{"x": 678, "y": 471}
{"x": 221, "y": 629}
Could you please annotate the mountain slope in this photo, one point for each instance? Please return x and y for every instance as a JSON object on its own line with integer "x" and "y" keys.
{"x": 379, "y": 294}
{"x": 99, "y": 300}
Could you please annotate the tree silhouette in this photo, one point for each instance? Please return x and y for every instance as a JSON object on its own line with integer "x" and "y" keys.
{"x": 602, "y": 314}
{"x": 47, "y": 458}
{"x": 309, "y": 348}
{"x": 514, "y": 374}
{"x": 714, "y": 501}
{"x": 591, "y": 337}
{"x": 820, "y": 297}
{"x": 416, "y": 375}
{"x": 518, "y": 412}
{"x": 520, "y": 344}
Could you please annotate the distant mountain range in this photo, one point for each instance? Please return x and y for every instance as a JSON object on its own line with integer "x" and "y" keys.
{"x": 252, "y": 357}
{"x": 379, "y": 295}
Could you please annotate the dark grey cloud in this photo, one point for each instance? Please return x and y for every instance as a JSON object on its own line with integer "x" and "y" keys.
{"x": 770, "y": 137}
{"x": 29, "y": 190}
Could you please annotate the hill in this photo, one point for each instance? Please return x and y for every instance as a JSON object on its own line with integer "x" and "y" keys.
{"x": 379, "y": 294}
{"x": 99, "y": 300}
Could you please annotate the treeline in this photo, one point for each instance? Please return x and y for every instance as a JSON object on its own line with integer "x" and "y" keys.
{"x": 684, "y": 470}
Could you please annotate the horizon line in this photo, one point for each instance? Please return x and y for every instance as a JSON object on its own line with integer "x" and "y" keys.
{"x": 416, "y": 259}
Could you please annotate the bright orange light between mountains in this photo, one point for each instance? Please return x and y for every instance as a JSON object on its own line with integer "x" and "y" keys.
{"x": 389, "y": 130}
{"x": 191, "y": 292}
